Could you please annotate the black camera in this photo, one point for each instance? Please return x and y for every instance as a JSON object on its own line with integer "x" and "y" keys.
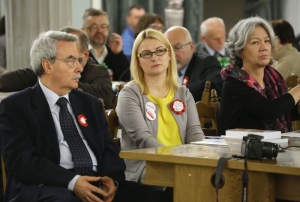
{"x": 253, "y": 148}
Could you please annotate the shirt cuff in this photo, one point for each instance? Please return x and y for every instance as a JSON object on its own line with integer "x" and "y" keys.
{"x": 72, "y": 183}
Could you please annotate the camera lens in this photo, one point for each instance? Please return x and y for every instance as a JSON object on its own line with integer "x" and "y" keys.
{"x": 270, "y": 150}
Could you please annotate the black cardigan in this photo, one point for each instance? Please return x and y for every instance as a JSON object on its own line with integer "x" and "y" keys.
{"x": 244, "y": 107}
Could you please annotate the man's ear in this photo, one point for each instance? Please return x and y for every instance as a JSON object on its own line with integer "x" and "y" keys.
{"x": 86, "y": 53}
{"x": 46, "y": 64}
{"x": 203, "y": 38}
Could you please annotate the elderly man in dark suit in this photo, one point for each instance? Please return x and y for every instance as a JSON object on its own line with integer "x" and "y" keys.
{"x": 55, "y": 140}
{"x": 213, "y": 37}
{"x": 193, "y": 69}
{"x": 94, "y": 80}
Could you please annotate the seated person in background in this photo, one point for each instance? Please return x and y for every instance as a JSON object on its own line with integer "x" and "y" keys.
{"x": 153, "y": 109}
{"x": 255, "y": 95}
{"x": 104, "y": 48}
{"x": 286, "y": 56}
{"x": 55, "y": 141}
{"x": 94, "y": 79}
{"x": 149, "y": 21}
{"x": 134, "y": 14}
{"x": 193, "y": 69}
{"x": 213, "y": 36}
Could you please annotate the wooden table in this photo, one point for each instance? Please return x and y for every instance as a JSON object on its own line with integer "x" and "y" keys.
{"x": 189, "y": 168}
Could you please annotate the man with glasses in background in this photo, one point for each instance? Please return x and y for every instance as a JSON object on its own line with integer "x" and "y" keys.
{"x": 94, "y": 79}
{"x": 193, "y": 69}
{"x": 96, "y": 25}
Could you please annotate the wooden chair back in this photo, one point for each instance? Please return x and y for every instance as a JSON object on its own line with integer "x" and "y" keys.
{"x": 209, "y": 112}
{"x": 206, "y": 93}
{"x": 113, "y": 124}
{"x": 292, "y": 80}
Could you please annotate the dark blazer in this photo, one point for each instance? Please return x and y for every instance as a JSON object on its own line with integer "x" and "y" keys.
{"x": 30, "y": 148}
{"x": 94, "y": 80}
{"x": 200, "y": 48}
{"x": 203, "y": 68}
{"x": 118, "y": 63}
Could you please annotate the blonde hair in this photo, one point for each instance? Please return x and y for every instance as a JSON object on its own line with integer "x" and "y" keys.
{"x": 137, "y": 73}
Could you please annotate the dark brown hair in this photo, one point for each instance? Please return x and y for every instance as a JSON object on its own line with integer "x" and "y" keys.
{"x": 284, "y": 31}
{"x": 145, "y": 21}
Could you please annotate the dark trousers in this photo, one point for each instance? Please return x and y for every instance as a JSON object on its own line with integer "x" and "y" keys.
{"x": 127, "y": 192}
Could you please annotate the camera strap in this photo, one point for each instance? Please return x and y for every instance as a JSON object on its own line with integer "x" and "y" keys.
{"x": 221, "y": 164}
{"x": 245, "y": 180}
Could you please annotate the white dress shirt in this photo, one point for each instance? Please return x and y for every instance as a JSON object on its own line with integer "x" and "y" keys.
{"x": 65, "y": 153}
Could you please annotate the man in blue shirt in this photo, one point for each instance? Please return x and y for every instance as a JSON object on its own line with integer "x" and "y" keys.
{"x": 133, "y": 16}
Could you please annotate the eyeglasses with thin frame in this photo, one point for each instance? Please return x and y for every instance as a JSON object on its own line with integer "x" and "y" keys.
{"x": 70, "y": 61}
{"x": 96, "y": 27}
{"x": 178, "y": 48}
{"x": 148, "y": 54}
{"x": 156, "y": 27}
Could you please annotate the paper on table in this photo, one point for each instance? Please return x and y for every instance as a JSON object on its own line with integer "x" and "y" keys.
{"x": 211, "y": 142}
{"x": 291, "y": 134}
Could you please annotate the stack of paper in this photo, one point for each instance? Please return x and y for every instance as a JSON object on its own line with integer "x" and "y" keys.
{"x": 269, "y": 135}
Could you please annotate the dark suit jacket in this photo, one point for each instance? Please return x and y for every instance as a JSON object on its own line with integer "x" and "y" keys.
{"x": 203, "y": 68}
{"x": 118, "y": 63}
{"x": 94, "y": 80}
{"x": 200, "y": 48}
{"x": 30, "y": 148}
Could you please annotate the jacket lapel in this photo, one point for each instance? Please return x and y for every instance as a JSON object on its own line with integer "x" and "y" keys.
{"x": 45, "y": 120}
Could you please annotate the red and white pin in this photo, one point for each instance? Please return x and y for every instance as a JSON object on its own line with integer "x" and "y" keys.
{"x": 178, "y": 106}
{"x": 151, "y": 115}
{"x": 82, "y": 120}
{"x": 150, "y": 106}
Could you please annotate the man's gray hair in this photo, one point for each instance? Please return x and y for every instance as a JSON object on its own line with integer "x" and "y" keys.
{"x": 44, "y": 47}
{"x": 240, "y": 34}
{"x": 205, "y": 24}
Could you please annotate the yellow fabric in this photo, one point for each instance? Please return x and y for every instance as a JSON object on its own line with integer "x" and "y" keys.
{"x": 168, "y": 132}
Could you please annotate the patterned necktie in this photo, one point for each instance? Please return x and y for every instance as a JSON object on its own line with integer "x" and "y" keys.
{"x": 83, "y": 164}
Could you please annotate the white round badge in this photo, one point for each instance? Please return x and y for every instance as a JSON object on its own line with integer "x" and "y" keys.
{"x": 150, "y": 106}
{"x": 151, "y": 115}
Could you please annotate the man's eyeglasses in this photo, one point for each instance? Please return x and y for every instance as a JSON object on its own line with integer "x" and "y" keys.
{"x": 96, "y": 27}
{"x": 178, "y": 48}
{"x": 70, "y": 61}
{"x": 148, "y": 54}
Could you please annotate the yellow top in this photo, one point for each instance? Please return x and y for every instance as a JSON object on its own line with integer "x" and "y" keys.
{"x": 168, "y": 132}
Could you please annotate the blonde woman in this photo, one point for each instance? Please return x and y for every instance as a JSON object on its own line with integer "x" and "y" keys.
{"x": 153, "y": 109}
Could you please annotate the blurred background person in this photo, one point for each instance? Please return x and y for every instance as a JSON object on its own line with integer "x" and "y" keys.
{"x": 135, "y": 12}
{"x": 2, "y": 46}
{"x": 194, "y": 69}
{"x": 254, "y": 94}
{"x": 213, "y": 36}
{"x": 153, "y": 109}
{"x": 96, "y": 26}
{"x": 286, "y": 56}
{"x": 149, "y": 21}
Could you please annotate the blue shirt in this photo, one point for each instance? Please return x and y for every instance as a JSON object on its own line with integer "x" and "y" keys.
{"x": 128, "y": 40}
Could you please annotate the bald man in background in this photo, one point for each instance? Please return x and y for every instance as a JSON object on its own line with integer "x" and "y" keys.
{"x": 193, "y": 69}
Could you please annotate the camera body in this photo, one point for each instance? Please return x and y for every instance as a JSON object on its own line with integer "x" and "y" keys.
{"x": 253, "y": 148}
